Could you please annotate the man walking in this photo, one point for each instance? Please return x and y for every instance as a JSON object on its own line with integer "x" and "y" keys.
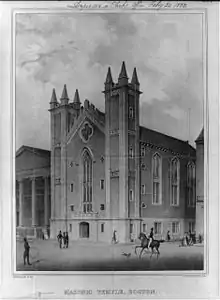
{"x": 190, "y": 238}
{"x": 114, "y": 238}
{"x": 26, "y": 252}
{"x": 168, "y": 235}
{"x": 67, "y": 240}
{"x": 59, "y": 238}
{"x": 64, "y": 239}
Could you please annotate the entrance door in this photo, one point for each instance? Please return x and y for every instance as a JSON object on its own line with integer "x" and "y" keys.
{"x": 84, "y": 230}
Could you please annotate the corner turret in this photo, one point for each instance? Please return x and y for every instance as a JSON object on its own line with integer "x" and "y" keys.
{"x": 53, "y": 101}
{"x": 109, "y": 81}
{"x": 134, "y": 79}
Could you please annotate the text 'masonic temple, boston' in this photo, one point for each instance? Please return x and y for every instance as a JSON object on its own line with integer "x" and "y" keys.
{"x": 105, "y": 172}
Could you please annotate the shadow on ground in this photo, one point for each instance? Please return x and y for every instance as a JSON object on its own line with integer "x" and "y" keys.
{"x": 46, "y": 256}
{"x": 154, "y": 264}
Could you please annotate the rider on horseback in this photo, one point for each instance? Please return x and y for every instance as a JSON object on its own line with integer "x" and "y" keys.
{"x": 151, "y": 236}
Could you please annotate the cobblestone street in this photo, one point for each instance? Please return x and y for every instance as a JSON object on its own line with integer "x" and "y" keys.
{"x": 87, "y": 256}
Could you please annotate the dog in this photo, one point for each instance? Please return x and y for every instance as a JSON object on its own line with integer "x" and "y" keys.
{"x": 126, "y": 254}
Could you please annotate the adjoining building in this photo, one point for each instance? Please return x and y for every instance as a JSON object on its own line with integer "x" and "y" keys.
{"x": 109, "y": 173}
{"x": 33, "y": 204}
{"x": 200, "y": 183}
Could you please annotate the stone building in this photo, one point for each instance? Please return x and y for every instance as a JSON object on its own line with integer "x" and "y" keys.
{"x": 109, "y": 173}
{"x": 32, "y": 191}
{"x": 200, "y": 183}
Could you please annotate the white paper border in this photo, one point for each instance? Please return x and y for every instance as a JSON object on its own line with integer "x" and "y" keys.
{"x": 8, "y": 151}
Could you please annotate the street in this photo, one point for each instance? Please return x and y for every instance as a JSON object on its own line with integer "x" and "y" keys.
{"x": 88, "y": 256}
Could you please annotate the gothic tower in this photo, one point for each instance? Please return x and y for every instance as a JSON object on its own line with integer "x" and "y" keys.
{"x": 62, "y": 116}
{"x": 55, "y": 135}
{"x": 122, "y": 153}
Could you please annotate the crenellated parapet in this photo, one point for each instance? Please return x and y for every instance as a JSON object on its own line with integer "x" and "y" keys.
{"x": 73, "y": 108}
{"x": 90, "y": 108}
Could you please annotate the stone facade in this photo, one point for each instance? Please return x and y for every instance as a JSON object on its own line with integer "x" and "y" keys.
{"x": 200, "y": 183}
{"x": 109, "y": 173}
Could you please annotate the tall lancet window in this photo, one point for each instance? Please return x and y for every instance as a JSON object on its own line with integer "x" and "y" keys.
{"x": 191, "y": 184}
{"x": 87, "y": 182}
{"x": 156, "y": 166}
{"x": 175, "y": 181}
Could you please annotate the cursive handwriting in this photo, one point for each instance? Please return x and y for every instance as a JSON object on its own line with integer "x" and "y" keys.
{"x": 126, "y": 5}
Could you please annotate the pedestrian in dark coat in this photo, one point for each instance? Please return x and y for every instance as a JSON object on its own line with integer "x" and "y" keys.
{"x": 168, "y": 235}
{"x": 67, "y": 240}
{"x": 59, "y": 238}
{"x": 26, "y": 252}
{"x": 190, "y": 238}
{"x": 64, "y": 239}
{"x": 114, "y": 238}
{"x": 187, "y": 239}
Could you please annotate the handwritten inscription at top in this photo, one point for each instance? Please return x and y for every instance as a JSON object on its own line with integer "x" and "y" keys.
{"x": 127, "y": 5}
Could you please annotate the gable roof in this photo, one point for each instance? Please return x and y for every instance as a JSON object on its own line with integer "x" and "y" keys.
{"x": 101, "y": 115}
{"x": 38, "y": 151}
{"x": 200, "y": 138}
{"x": 95, "y": 116}
{"x": 165, "y": 141}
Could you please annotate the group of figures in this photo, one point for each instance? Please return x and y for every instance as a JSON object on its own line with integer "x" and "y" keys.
{"x": 63, "y": 239}
{"x": 189, "y": 239}
{"x": 147, "y": 242}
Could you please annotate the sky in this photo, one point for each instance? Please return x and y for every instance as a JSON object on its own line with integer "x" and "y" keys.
{"x": 76, "y": 50}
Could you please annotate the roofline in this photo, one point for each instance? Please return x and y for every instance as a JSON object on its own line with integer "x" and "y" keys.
{"x": 199, "y": 141}
{"x": 169, "y": 136}
{"x": 30, "y": 148}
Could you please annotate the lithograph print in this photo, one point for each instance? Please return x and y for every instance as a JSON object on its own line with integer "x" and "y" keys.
{"x": 110, "y": 149}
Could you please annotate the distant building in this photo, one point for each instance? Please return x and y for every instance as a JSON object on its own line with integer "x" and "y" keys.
{"x": 200, "y": 183}
{"x": 109, "y": 173}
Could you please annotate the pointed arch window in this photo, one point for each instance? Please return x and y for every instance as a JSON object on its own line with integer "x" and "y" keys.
{"x": 142, "y": 151}
{"x": 175, "y": 181}
{"x": 131, "y": 152}
{"x": 191, "y": 174}
{"x": 87, "y": 182}
{"x": 131, "y": 195}
{"x": 157, "y": 182}
{"x": 131, "y": 112}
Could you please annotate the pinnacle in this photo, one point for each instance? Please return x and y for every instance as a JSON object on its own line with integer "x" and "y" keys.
{"x": 53, "y": 97}
{"x": 76, "y": 97}
{"x": 64, "y": 94}
{"x": 123, "y": 73}
{"x": 134, "y": 79}
{"x": 109, "y": 76}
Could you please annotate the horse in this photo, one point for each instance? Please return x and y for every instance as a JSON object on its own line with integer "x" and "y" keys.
{"x": 144, "y": 244}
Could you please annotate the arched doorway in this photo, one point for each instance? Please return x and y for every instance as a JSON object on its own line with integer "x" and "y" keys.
{"x": 84, "y": 230}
